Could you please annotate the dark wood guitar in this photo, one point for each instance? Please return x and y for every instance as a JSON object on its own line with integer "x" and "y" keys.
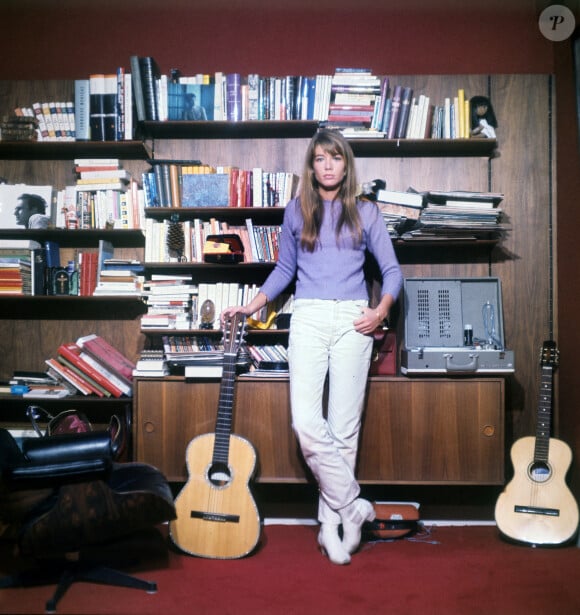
{"x": 216, "y": 513}
{"x": 537, "y": 507}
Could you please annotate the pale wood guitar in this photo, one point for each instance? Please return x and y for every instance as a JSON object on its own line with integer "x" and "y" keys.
{"x": 216, "y": 513}
{"x": 536, "y": 506}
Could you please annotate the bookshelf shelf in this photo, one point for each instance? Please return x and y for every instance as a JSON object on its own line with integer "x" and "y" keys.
{"x": 424, "y": 148}
{"x": 262, "y": 129}
{"x": 60, "y": 307}
{"x": 86, "y": 238}
{"x": 68, "y": 150}
{"x": 260, "y": 215}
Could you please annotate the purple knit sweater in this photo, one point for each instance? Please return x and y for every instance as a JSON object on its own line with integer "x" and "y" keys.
{"x": 335, "y": 269}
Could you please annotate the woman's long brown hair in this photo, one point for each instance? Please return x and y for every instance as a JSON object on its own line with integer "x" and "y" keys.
{"x": 333, "y": 143}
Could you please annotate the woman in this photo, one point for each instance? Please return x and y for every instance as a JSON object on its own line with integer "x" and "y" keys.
{"x": 325, "y": 234}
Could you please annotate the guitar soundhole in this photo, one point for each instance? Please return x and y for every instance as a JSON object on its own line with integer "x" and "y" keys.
{"x": 540, "y": 472}
{"x": 219, "y": 474}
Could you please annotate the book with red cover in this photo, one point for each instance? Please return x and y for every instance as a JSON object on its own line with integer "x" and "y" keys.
{"x": 86, "y": 379}
{"x": 72, "y": 352}
{"x": 67, "y": 374}
{"x": 108, "y": 356}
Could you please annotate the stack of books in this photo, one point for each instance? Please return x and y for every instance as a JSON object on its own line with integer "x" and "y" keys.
{"x": 171, "y": 301}
{"x": 151, "y": 364}
{"x": 399, "y": 209}
{"x": 460, "y": 214}
{"x": 93, "y": 367}
{"x": 269, "y": 359}
{"x": 354, "y": 93}
{"x": 22, "y": 267}
{"x": 19, "y": 127}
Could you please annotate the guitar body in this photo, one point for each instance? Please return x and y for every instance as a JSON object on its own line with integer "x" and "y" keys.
{"x": 536, "y": 506}
{"x": 216, "y": 513}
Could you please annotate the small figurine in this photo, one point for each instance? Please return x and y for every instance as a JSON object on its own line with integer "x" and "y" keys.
{"x": 483, "y": 122}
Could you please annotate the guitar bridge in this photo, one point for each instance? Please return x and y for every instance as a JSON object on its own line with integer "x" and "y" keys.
{"x": 213, "y": 516}
{"x": 536, "y": 510}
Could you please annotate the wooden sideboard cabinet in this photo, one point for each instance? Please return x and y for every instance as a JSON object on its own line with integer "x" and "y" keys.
{"x": 420, "y": 430}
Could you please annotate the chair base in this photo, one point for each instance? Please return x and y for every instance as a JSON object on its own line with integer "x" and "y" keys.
{"x": 72, "y": 573}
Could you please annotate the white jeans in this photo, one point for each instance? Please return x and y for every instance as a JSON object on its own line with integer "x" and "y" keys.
{"x": 323, "y": 342}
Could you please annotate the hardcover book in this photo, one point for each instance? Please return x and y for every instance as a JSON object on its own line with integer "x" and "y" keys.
{"x": 205, "y": 190}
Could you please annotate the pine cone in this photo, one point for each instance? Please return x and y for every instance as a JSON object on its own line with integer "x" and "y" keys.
{"x": 175, "y": 240}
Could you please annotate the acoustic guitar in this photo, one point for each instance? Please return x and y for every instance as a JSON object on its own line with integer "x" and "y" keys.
{"x": 216, "y": 513}
{"x": 536, "y": 506}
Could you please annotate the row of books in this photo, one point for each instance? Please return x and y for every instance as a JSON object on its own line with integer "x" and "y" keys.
{"x": 92, "y": 366}
{"x": 260, "y": 242}
{"x": 353, "y": 100}
{"x": 104, "y": 107}
{"x": 55, "y": 120}
{"x": 192, "y": 184}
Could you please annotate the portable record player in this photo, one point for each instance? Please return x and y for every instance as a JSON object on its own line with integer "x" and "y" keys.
{"x": 454, "y": 326}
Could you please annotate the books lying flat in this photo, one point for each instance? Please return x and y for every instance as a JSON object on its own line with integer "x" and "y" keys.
{"x": 409, "y": 198}
{"x": 203, "y": 371}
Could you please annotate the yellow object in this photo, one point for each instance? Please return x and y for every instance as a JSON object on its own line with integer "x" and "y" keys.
{"x": 258, "y": 324}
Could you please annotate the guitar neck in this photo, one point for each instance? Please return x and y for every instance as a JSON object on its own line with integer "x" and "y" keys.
{"x": 544, "y": 415}
{"x": 223, "y": 426}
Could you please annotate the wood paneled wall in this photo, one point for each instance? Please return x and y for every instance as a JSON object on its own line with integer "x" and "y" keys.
{"x": 522, "y": 171}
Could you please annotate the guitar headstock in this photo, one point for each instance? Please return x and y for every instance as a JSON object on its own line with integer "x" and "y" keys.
{"x": 234, "y": 331}
{"x": 550, "y": 354}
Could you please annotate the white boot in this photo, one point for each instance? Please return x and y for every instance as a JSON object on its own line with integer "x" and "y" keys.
{"x": 353, "y": 516}
{"x": 331, "y": 545}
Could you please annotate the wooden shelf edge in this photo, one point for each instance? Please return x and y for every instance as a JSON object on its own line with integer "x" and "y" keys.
{"x": 121, "y": 238}
{"x": 65, "y": 150}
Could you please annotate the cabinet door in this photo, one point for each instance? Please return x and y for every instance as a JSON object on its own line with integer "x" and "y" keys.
{"x": 433, "y": 431}
{"x": 169, "y": 414}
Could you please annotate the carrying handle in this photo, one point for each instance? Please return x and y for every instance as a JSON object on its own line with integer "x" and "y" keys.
{"x": 472, "y": 366}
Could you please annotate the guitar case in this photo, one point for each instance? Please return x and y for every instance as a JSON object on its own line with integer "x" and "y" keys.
{"x": 393, "y": 520}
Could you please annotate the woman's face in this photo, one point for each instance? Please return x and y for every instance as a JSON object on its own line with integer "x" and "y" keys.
{"x": 329, "y": 171}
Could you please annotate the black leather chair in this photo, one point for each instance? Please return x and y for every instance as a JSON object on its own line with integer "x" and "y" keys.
{"x": 64, "y": 500}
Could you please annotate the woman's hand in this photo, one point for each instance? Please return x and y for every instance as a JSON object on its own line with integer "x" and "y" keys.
{"x": 230, "y": 311}
{"x": 369, "y": 320}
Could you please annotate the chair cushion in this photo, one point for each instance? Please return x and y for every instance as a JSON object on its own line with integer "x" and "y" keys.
{"x": 134, "y": 497}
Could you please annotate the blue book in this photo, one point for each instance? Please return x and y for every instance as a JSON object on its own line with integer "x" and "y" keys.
{"x": 205, "y": 190}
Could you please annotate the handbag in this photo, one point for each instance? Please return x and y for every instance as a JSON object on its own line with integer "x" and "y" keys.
{"x": 67, "y": 421}
{"x": 384, "y": 354}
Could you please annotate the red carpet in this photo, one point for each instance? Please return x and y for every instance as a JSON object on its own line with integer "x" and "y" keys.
{"x": 450, "y": 571}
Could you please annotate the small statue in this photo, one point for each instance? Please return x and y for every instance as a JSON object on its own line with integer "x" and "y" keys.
{"x": 483, "y": 122}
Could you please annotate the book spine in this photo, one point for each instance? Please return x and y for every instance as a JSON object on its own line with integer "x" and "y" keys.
{"x": 97, "y": 86}
{"x": 82, "y": 110}
{"x": 395, "y": 109}
{"x": 69, "y": 376}
{"x": 233, "y": 97}
{"x": 137, "y": 83}
{"x": 93, "y": 384}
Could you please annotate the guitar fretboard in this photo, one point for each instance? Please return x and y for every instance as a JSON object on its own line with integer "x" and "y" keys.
{"x": 543, "y": 420}
{"x": 223, "y": 426}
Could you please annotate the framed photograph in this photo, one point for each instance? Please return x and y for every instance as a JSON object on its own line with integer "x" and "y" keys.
{"x": 186, "y": 101}
{"x": 23, "y": 206}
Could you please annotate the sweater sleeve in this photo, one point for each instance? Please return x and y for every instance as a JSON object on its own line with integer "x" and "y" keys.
{"x": 380, "y": 245}
{"x": 285, "y": 270}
